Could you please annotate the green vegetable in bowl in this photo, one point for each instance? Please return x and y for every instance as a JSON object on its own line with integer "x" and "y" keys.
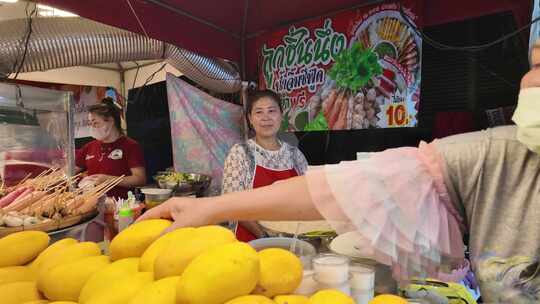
{"x": 175, "y": 177}
{"x": 321, "y": 234}
{"x": 354, "y": 67}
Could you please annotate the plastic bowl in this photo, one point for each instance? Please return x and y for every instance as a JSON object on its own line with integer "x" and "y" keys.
{"x": 303, "y": 249}
{"x": 155, "y": 196}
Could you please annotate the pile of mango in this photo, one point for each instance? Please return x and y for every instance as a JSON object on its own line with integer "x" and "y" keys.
{"x": 205, "y": 265}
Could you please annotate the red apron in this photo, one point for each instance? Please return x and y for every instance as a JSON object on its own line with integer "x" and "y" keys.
{"x": 263, "y": 177}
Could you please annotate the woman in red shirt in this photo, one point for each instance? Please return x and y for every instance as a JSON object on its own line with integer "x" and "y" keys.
{"x": 112, "y": 153}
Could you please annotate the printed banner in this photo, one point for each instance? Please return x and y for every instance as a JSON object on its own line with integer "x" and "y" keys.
{"x": 203, "y": 129}
{"x": 355, "y": 70}
{"x": 83, "y": 96}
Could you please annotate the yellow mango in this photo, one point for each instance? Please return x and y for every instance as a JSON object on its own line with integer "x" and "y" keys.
{"x": 16, "y": 274}
{"x": 19, "y": 292}
{"x": 64, "y": 282}
{"x": 281, "y": 272}
{"x": 388, "y": 299}
{"x": 186, "y": 247}
{"x": 37, "y": 302}
{"x": 251, "y": 299}
{"x": 63, "y": 302}
{"x": 20, "y": 248}
{"x": 291, "y": 299}
{"x": 330, "y": 296}
{"x": 133, "y": 241}
{"x": 153, "y": 251}
{"x": 69, "y": 254}
{"x": 105, "y": 277}
{"x": 123, "y": 290}
{"x": 219, "y": 275}
{"x": 158, "y": 292}
{"x": 54, "y": 249}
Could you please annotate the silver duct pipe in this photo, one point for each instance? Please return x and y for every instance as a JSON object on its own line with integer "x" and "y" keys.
{"x": 65, "y": 42}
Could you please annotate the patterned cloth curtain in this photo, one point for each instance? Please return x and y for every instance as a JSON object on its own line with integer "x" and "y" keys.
{"x": 535, "y": 27}
{"x": 203, "y": 129}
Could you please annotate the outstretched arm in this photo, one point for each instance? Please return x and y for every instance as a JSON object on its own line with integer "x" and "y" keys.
{"x": 287, "y": 200}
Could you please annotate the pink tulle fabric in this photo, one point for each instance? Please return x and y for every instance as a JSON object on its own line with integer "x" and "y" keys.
{"x": 397, "y": 201}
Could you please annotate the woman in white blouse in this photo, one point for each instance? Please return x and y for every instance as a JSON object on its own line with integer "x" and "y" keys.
{"x": 263, "y": 159}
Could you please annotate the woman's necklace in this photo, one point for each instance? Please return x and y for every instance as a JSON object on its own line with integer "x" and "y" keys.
{"x": 104, "y": 151}
{"x": 269, "y": 147}
{"x": 107, "y": 149}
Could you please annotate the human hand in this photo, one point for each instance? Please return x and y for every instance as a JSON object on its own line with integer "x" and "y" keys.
{"x": 532, "y": 78}
{"x": 185, "y": 212}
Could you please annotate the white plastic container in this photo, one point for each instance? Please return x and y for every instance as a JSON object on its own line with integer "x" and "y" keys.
{"x": 308, "y": 286}
{"x": 155, "y": 196}
{"x": 331, "y": 269}
{"x": 362, "y": 283}
{"x": 344, "y": 287}
{"x": 362, "y": 277}
{"x": 363, "y": 296}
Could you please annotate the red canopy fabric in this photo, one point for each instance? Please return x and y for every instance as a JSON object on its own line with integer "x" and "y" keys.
{"x": 168, "y": 20}
{"x": 220, "y": 28}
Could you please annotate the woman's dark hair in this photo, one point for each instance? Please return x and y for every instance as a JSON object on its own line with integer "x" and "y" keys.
{"x": 107, "y": 109}
{"x": 256, "y": 95}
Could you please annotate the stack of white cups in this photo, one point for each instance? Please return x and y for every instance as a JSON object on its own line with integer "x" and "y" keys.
{"x": 362, "y": 284}
{"x": 332, "y": 272}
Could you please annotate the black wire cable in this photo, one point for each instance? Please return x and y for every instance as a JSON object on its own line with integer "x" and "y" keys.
{"x": 474, "y": 48}
{"x": 139, "y": 91}
{"x": 154, "y": 74}
{"x": 26, "y": 40}
{"x": 492, "y": 73}
{"x": 17, "y": 64}
{"x": 136, "y": 75}
{"x": 469, "y": 49}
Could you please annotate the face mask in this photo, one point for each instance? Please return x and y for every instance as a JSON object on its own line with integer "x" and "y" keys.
{"x": 102, "y": 132}
{"x": 527, "y": 118}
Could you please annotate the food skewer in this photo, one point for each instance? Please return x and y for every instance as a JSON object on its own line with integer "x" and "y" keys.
{"x": 69, "y": 181}
{"x": 48, "y": 197}
{"x": 26, "y": 201}
{"x": 91, "y": 201}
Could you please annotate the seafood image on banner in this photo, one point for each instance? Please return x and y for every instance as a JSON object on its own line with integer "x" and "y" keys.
{"x": 358, "y": 69}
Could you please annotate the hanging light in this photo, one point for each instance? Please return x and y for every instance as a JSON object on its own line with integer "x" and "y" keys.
{"x": 48, "y": 11}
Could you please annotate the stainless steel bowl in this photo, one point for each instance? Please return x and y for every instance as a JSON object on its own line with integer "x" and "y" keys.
{"x": 198, "y": 184}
